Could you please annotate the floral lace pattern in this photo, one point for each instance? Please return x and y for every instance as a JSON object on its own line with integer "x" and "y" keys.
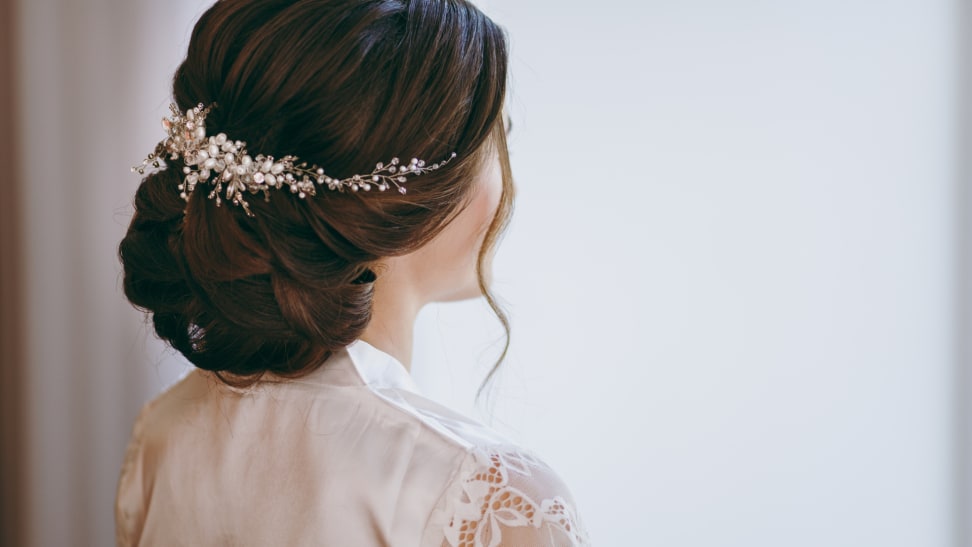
{"x": 496, "y": 495}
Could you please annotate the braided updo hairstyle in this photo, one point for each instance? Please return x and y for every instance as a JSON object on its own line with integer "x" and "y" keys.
{"x": 339, "y": 83}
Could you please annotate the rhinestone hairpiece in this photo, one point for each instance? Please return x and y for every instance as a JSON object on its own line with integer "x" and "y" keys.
{"x": 220, "y": 162}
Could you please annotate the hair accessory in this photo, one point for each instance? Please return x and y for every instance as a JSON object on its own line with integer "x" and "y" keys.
{"x": 218, "y": 161}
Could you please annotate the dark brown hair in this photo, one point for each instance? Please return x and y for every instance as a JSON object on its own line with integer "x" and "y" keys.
{"x": 343, "y": 84}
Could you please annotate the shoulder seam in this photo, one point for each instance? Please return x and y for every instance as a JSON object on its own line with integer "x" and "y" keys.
{"x": 452, "y": 439}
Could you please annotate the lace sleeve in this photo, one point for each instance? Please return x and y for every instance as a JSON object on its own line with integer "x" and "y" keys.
{"x": 505, "y": 497}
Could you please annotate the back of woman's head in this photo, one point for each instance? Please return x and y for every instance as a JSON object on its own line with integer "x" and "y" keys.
{"x": 339, "y": 83}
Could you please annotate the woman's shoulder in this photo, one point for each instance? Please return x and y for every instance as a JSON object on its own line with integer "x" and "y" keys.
{"x": 498, "y": 492}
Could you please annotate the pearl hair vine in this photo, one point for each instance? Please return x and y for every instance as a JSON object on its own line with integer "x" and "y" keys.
{"x": 220, "y": 162}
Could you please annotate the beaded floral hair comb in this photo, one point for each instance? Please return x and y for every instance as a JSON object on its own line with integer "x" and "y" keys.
{"x": 220, "y": 162}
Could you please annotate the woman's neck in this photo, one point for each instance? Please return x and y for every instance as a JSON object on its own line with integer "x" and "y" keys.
{"x": 394, "y": 308}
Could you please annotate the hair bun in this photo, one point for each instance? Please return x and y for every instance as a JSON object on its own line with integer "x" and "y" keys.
{"x": 279, "y": 291}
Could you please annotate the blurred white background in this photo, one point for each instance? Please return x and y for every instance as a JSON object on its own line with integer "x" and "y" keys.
{"x": 737, "y": 271}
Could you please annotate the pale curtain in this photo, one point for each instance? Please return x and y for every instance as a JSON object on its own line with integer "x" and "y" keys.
{"x": 89, "y": 73}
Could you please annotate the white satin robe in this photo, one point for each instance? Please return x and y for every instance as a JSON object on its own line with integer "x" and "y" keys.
{"x": 350, "y": 455}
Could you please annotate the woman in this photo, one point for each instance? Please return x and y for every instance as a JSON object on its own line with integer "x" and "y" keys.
{"x": 290, "y": 271}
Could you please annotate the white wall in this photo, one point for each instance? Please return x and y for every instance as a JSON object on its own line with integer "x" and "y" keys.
{"x": 732, "y": 270}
